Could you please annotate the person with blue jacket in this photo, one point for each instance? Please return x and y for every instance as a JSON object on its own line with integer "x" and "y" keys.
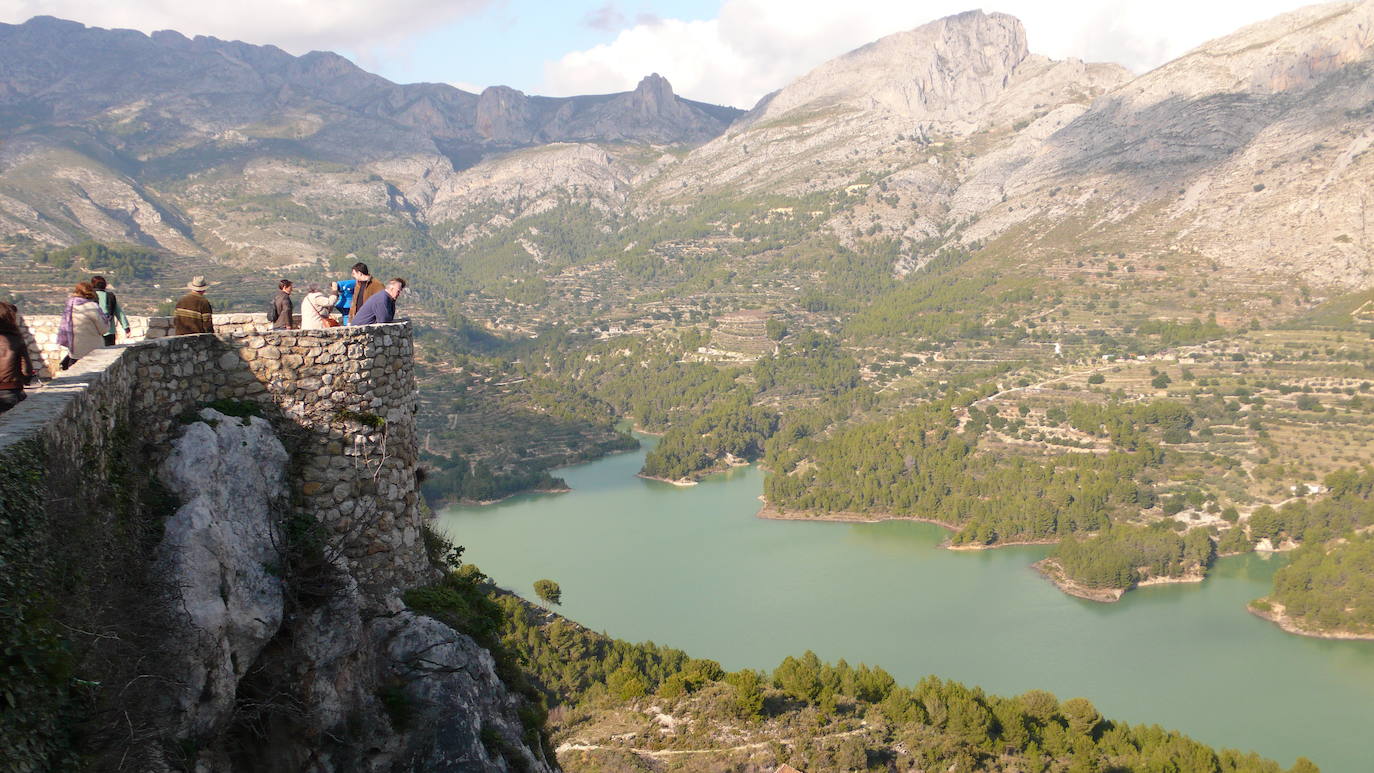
{"x": 344, "y": 291}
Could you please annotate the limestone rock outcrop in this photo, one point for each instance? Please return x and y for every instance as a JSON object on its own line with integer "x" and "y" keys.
{"x": 351, "y": 682}
{"x": 943, "y": 71}
{"x": 1251, "y": 150}
{"x": 222, "y": 556}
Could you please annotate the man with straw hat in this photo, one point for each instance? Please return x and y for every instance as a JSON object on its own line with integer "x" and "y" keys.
{"x": 193, "y": 313}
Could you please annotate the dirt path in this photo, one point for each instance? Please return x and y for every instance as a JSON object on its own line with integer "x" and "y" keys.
{"x": 569, "y": 746}
{"x": 1180, "y": 352}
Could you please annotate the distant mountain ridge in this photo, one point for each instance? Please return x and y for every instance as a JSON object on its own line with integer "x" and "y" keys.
{"x": 61, "y": 72}
{"x": 112, "y": 134}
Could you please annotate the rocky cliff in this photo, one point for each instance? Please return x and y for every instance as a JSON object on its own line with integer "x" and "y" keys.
{"x": 947, "y": 70}
{"x": 913, "y": 109}
{"x": 222, "y": 588}
{"x": 1251, "y": 150}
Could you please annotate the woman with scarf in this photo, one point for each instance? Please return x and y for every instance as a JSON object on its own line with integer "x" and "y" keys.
{"x": 83, "y": 324}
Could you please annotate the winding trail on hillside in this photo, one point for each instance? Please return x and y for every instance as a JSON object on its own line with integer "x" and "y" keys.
{"x": 569, "y": 746}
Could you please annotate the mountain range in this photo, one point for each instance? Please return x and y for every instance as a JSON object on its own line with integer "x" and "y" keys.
{"x": 1249, "y": 152}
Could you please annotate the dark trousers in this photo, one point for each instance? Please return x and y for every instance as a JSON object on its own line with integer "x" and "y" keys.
{"x": 109, "y": 339}
{"x": 10, "y": 398}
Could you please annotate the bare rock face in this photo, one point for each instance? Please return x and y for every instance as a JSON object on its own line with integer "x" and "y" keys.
{"x": 318, "y": 673}
{"x": 538, "y": 176}
{"x": 654, "y": 97}
{"x": 943, "y": 71}
{"x": 1250, "y": 148}
{"x": 651, "y": 113}
{"x": 1250, "y": 151}
{"x": 217, "y": 553}
{"x": 898, "y": 105}
{"x": 440, "y": 669}
{"x": 504, "y": 114}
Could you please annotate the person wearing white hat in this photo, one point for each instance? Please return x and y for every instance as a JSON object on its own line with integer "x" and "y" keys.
{"x": 193, "y": 313}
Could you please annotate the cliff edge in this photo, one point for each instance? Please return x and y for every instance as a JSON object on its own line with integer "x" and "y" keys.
{"x": 207, "y": 542}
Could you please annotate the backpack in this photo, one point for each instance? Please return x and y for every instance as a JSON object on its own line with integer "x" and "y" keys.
{"x": 272, "y": 310}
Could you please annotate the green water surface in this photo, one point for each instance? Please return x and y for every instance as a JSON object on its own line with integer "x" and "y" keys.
{"x": 693, "y": 568}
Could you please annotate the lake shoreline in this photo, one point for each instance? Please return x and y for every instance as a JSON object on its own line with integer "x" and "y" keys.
{"x": 1051, "y": 570}
{"x": 498, "y": 500}
{"x": 680, "y": 482}
{"x": 775, "y": 589}
{"x": 1278, "y": 615}
{"x": 770, "y": 512}
{"x": 439, "y": 504}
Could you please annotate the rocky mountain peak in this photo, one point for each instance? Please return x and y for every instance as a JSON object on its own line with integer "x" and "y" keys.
{"x": 943, "y": 70}
{"x": 503, "y": 113}
{"x": 654, "y": 94}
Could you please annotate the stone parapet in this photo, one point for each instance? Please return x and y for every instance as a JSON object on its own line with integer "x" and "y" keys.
{"x": 344, "y": 399}
{"x": 40, "y": 331}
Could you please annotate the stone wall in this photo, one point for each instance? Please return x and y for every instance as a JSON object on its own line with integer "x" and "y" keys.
{"x": 345, "y": 395}
{"x": 40, "y": 331}
{"x": 212, "y": 627}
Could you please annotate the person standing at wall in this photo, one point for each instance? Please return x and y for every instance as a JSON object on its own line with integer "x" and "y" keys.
{"x": 280, "y": 313}
{"x": 16, "y": 369}
{"x": 343, "y": 289}
{"x": 110, "y": 305}
{"x": 380, "y": 308}
{"x": 84, "y": 325}
{"x": 193, "y": 313}
{"x": 363, "y": 289}
{"x": 316, "y": 307}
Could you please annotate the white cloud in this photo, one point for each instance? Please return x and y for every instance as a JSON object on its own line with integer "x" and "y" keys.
{"x": 295, "y": 25}
{"x": 755, "y": 46}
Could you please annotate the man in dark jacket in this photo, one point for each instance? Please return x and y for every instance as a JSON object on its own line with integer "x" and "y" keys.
{"x": 380, "y": 308}
{"x": 281, "y": 307}
{"x": 364, "y": 288}
{"x": 193, "y": 313}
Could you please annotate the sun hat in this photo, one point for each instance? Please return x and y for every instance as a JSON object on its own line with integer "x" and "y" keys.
{"x": 198, "y": 283}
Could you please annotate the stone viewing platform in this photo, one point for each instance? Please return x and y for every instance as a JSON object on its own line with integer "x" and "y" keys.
{"x": 209, "y": 544}
{"x": 342, "y": 399}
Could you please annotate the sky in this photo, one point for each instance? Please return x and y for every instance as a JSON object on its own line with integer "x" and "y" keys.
{"x": 723, "y": 51}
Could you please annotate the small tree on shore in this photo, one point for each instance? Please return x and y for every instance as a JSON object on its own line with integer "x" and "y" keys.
{"x": 548, "y": 591}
